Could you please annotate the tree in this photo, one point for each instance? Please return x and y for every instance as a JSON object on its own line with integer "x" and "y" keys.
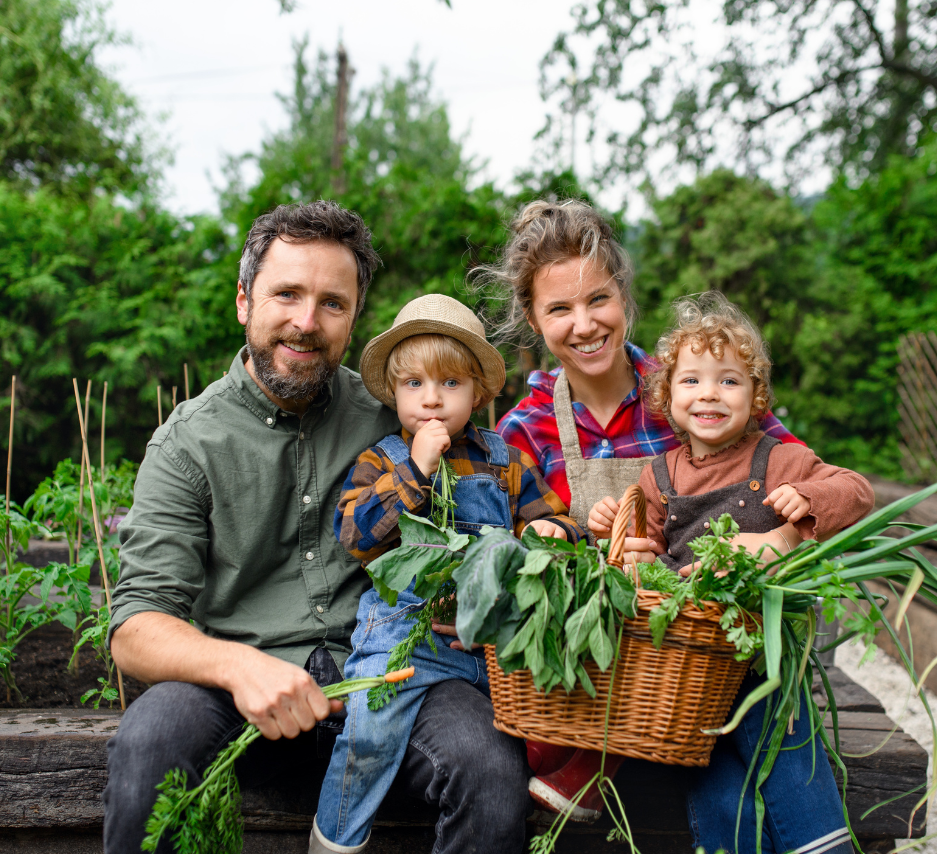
{"x": 400, "y": 169}
{"x": 64, "y": 123}
{"x": 796, "y": 79}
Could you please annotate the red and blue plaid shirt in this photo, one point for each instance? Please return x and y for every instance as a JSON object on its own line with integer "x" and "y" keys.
{"x": 633, "y": 431}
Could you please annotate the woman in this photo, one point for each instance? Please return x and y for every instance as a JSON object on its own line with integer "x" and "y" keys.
{"x": 569, "y": 282}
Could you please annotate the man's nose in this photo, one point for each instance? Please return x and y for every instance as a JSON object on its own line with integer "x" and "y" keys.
{"x": 305, "y": 318}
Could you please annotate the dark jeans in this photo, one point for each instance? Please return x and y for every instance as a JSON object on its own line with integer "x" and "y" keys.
{"x": 456, "y": 760}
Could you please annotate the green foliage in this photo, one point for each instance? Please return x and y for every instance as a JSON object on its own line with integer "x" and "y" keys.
{"x": 207, "y": 817}
{"x": 794, "y": 81}
{"x": 64, "y": 122}
{"x": 94, "y": 630}
{"x": 401, "y": 170}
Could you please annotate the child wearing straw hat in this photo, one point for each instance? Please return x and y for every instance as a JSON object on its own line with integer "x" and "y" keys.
{"x": 435, "y": 368}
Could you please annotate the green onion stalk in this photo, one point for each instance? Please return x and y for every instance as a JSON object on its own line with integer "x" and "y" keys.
{"x": 208, "y": 817}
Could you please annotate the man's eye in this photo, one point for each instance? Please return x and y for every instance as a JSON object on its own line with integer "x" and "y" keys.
{"x": 333, "y": 304}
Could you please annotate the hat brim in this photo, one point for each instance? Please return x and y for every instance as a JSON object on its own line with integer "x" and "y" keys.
{"x": 373, "y": 366}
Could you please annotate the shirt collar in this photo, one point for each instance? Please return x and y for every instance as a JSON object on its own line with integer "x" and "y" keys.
{"x": 253, "y": 397}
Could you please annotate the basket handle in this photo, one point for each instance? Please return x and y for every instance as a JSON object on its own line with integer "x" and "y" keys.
{"x": 633, "y": 501}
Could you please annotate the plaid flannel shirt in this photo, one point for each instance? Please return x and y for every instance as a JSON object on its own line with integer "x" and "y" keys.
{"x": 633, "y": 431}
{"x": 376, "y": 492}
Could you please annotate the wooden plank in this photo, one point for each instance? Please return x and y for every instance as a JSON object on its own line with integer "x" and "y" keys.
{"x": 53, "y": 769}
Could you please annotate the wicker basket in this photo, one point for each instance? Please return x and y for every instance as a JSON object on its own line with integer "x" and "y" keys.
{"x": 661, "y": 699}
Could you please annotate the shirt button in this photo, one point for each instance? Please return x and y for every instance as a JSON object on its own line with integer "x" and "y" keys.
{"x": 605, "y": 443}
{"x": 673, "y": 518}
{"x": 319, "y": 608}
{"x": 309, "y": 555}
{"x": 302, "y": 435}
{"x": 269, "y": 420}
{"x": 705, "y": 524}
{"x": 306, "y": 499}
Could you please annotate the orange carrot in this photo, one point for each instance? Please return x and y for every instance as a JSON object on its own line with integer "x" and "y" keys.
{"x": 399, "y": 675}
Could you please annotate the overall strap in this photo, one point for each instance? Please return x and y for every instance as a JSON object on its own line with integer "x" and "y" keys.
{"x": 760, "y": 460}
{"x": 394, "y": 448}
{"x": 662, "y": 473}
{"x": 498, "y": 456}
{"x": 565, "y": 420}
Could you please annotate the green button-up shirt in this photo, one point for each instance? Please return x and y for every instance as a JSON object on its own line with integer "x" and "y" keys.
{"x": 231, "y": 523}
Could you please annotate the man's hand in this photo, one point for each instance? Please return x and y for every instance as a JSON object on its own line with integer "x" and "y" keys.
{"x": 602, "y": 516}
{"x": 788, "y": 503}
{"x": 281, "y": 699}
{"x": 546, "y": 528}
{"x": 430, "y": 442}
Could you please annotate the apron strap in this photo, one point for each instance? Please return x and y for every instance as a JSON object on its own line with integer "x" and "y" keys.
{"x": 394, "y": 448}
{"x": 565, "y": 420}
{"x": 760, "y": 460}
{"x": 662, "y": 474}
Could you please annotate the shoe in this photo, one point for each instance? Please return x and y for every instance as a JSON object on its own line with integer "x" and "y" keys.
{"x": 318, "y": 844}
{"x": 546, "y": 758}
{"x": 557, "y": 790}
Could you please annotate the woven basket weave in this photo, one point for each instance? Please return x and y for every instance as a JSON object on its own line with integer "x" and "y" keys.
{"x": 661, "y": 699}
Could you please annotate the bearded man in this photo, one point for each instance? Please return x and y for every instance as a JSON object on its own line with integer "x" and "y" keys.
{"x": 235, "y": 600}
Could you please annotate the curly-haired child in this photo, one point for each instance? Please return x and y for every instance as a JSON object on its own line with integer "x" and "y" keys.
{"x": 713, "y": 381}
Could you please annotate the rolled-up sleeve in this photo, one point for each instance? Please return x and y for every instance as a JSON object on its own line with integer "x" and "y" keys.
{"x": 164, "y": 539}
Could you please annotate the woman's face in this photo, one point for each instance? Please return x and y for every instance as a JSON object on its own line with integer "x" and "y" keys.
{"x": 579, "y": 311}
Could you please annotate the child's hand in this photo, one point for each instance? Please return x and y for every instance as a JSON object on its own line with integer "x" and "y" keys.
{"x": 788, "y": 503}
{"x": 601, "y": 517}
{"x": 546, "y": 528}
{"x": 430, "y": 442}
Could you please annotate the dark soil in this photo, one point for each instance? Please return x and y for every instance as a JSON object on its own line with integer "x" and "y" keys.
{"x": 40, "y": 670}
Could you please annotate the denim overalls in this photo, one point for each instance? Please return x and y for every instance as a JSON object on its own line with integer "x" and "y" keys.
{"x": 370, "y": 749}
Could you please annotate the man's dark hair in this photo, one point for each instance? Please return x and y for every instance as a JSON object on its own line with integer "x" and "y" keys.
{"x": 321, "y": 220}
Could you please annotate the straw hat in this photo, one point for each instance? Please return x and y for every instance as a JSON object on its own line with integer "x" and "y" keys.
{"x": 433, "y": 313}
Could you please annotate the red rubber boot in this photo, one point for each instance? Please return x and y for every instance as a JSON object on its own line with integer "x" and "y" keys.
{"x": 546, "y": 758}
{"x": 555, "y": 791}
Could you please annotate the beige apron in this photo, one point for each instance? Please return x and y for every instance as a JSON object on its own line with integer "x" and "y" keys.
{"x": 589, "y": 480}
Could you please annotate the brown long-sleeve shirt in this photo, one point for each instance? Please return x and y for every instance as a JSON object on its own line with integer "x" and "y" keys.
{"x": 838, "y": 497}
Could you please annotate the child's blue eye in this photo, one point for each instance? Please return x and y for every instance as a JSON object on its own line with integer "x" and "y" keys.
{"x": 451, "y": 383}
{"x": 413, "y": 383}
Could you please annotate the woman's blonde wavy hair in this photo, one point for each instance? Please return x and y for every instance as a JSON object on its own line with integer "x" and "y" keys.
{"x": 708, "y": 321}
{"x": 545, "y": 233}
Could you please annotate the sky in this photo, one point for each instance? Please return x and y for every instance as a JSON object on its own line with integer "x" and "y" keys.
{"x": 207, "y": 73}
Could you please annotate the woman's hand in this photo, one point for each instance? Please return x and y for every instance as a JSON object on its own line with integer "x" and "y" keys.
{"x": 546, "y": 528}
{"x": 601, "y": 517}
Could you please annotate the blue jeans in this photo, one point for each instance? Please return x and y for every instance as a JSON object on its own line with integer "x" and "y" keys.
{"x": 801, "y": 816}
{"x": 371, "y": 748}
{"x": 455, "y": 759}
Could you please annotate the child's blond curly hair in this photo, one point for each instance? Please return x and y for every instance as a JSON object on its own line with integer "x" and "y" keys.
{"x": 708, "y": 321}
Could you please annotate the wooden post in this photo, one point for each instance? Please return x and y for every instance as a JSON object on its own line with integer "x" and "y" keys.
{"x": 491, "y": 414}
{"x": 105, "y": 581}
{"x": 340, "y": 139}
{"x": 9, "y": 531}
{"x": 159, "y": 405}
{"x": 185, "y": 373}
{"x": 174, "y": 389}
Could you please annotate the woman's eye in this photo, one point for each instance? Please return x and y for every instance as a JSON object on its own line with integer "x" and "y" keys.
{"x": 599, "y": 298}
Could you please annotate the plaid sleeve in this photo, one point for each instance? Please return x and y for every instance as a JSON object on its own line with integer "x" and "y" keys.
{"x": 374, "y": 495}
{"x": 773, "y": 427}
{"x": 535, "y": 500}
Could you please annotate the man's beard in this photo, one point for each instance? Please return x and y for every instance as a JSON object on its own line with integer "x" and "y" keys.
{"x": 303, "y": 380}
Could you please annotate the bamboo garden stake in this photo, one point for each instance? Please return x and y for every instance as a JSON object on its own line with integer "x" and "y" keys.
{"x": 159, "y": 405}
{"x": 103, "y": 417}
{"x": 9, "y": 533}
{"x": 185, "y": 373}
{"x": 81, "y": 476}
{"x": 97, "y": 528}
